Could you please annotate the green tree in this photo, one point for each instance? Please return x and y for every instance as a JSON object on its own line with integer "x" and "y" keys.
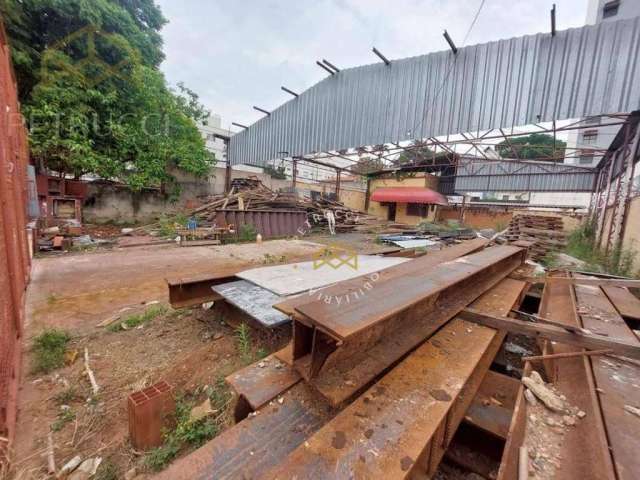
{"x": 368, "y": 165}
{"x": 531, "y": 147}
{"x": 93, "y": 95}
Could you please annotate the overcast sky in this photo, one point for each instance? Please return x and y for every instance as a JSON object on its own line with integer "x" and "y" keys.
{"x": 236, "y": 54}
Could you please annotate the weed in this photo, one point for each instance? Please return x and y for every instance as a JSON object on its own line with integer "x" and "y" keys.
{"x": 220, "y": 394}
{"x": 187, "y": 433}
{"x": 247, "y": 233}
{"x": 261, "y": 353}
{"x": 66, "y": 396}
{"x": 581, "y": 244}
{"x": 133, "y": 321}
{"x": 243, "y": 339}
{"x": 169, "y": 224}
{"x": 270, "y": 259}
{"x": 64, "y": 417}
{"x": 48, "y": 350}
{"x": 107, "y": 471}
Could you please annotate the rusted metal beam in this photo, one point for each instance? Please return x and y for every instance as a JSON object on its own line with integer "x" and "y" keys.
{"x": 261, "y": 382}
{"x": 626, "y": 303}
{"x": 348, "y": 288}
{"x": 401, "y": 426}
{"x": 493, "y": 405}
{"x": 351, "y": 344}
{"x": 584, "y": 450}
{"x": 196, "y": 290}
{"x": 257, "y": 443}
{"x": 617, "y": 381}
{"x": 624, "y": 347}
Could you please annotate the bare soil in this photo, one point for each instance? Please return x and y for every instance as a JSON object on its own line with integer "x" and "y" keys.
{"x": 189, "y": 349}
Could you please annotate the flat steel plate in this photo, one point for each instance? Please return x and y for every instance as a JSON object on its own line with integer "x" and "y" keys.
{"x": 254, "y": 300}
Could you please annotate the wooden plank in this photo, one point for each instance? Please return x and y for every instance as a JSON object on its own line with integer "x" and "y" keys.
{"x": 618, "y": 382}
{"x": 624, "y": 347}
{"x": 402, "y": 425}
{"x": 626, "y": 303}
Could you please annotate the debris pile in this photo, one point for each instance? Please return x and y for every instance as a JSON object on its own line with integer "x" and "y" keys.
{"x": 251, "y": 194}
{"x": 546, "y": 233}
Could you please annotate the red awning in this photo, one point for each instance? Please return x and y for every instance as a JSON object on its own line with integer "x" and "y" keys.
{"x": 408, "y": 195}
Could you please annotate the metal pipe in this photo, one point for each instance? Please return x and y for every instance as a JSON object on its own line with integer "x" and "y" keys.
{"x": 266, "y": 112}
{"x": 330, "y": 65}
{"x": 285, "y": 89}
{"x": 323, "y": 66}
{"x": 239, "y": 125}
{"x": 382, "y": 57}
{"x": 553, "y": 20}
{"x": 454, "y": 49}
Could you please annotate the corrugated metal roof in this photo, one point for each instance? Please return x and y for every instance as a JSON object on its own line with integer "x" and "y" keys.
{"x": 475, "y": 175}
{"x": 580, "y": 72}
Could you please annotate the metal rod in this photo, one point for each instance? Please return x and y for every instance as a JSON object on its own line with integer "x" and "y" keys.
{"x": 323, "y": 66}
{"x": 266, "y": 112}
{"x": 553, "y": 20}
{"x": 382, "y": 57}
{"x": 285, "y": 89}
{"x": 239, "y": 125}
{"x": 330, "y": 65}
{"x": 454, "y": 49}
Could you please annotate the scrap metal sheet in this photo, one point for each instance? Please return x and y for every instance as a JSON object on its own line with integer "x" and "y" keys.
{"x": 254, "y": 300}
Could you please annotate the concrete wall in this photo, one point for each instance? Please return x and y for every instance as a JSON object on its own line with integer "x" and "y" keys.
{"x": 108, "y": 202}
{"x": 631, "y": 237}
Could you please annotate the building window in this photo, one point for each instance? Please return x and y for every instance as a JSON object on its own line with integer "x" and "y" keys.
{"x": 610, "y": 9}
{"x": 590, "y": 137}
{"x": 586, "y": 158}
{"x": 417, "y": 209}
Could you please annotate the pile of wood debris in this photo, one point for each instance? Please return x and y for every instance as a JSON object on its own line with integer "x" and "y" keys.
{"x": 545, "y": 232}
{"x": 251, "y": 194}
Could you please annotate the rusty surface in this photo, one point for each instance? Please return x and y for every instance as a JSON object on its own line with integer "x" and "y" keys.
{"x": 625, "y": 302}
{"x": 402, "y": 425}
{"x": 584, "y": 450}
{"x": 344, "y": 321}
{"x": 269, "y": 223}
{"x": 257, "y": 443}
{"x": 618, "y": 382}
{"x": 196, "y": 290}
{"x": 15, "y": 259}
{"x": 359, "y": 360}
{"x": 493, "y": 405}
{"x": 413, "y": 267}
{"x": 263, "y": 381}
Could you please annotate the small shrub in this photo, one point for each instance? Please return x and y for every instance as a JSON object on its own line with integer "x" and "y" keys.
{"x": 247, "y": 233}
{"x": 48, "y": 350}
{"x": 64, "y": 417}
{"x": 133, "y": 321}
{"x": 107, "y": 471}
{"x": 66, "y": 396}
{"x": 243, "y": 340}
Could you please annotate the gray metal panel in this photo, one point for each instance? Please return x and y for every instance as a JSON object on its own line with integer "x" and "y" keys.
{"x": 537, "y": 78}
{"x": 475, "y": 175}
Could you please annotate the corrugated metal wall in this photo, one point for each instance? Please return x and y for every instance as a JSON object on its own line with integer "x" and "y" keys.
{"x": 475, "y": 175}
{"x": 518, "y": 81}
{"x": 14, "y": 254}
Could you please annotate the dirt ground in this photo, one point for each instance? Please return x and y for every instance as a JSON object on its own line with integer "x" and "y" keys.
{"x": 190, "y": 349}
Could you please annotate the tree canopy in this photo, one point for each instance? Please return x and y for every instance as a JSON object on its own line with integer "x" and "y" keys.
{"x": 531, "y": 147}
{"x": 93, "y": 95}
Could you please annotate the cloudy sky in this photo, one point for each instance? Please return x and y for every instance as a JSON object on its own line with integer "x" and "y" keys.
{"x": 236, "y": 54}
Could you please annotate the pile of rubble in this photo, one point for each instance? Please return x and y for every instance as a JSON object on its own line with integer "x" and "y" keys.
{"x": 545, "y": 233}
